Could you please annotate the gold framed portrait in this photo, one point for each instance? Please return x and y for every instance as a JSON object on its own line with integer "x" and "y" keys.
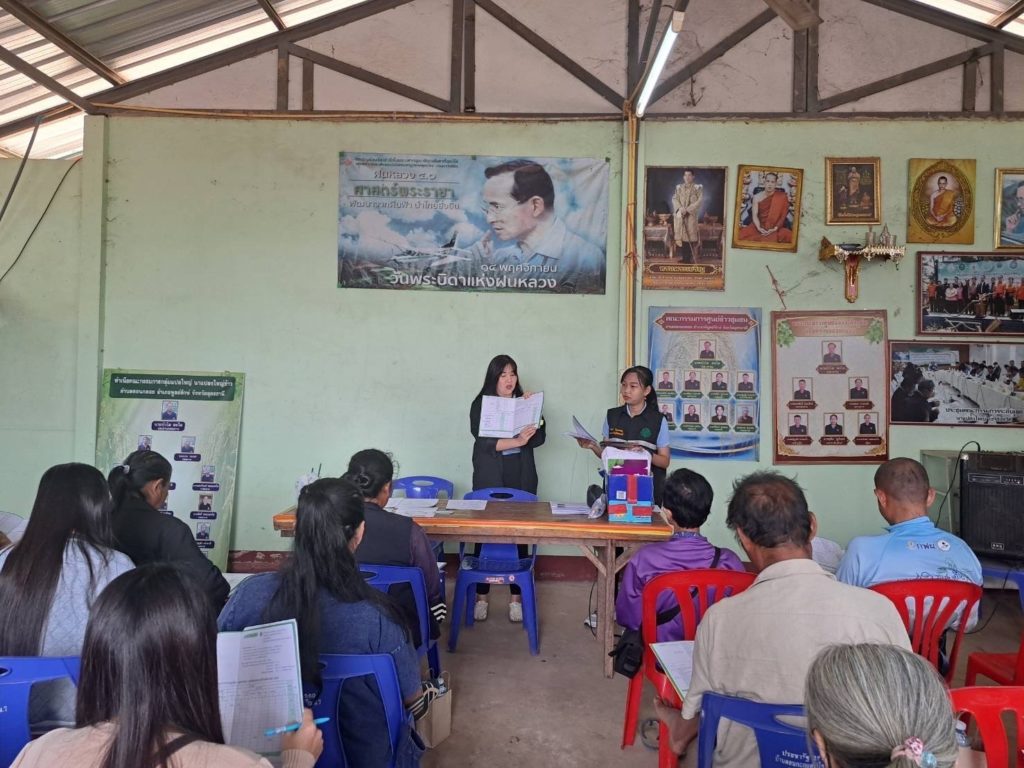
{"x": 853, "y": 190}
{"x": 941, "y": 204}
{"x": 1009, "y": 218}
{"x": 767, "y": 215}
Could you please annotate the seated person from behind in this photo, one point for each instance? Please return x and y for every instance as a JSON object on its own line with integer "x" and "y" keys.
{"x": 760, "y": 643}
{"x": 392, "y": 539}
{"x": 337, "y": 612}
{"x": 922, "y": 402}
{"x": 872, "y": 704}
{"x": 913, "y": 548}
{"x": 688, "y": 498}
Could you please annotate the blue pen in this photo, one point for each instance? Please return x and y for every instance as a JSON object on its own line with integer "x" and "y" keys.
{"x": 293, "y": 727}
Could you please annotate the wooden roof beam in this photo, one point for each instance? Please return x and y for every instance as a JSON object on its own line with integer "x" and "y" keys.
{"x": 40, "y": 26}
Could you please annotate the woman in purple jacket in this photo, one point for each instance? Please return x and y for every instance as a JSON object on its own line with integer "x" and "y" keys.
{"x": 688, "y": 498}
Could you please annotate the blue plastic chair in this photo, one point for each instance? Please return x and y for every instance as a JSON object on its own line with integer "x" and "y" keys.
{"x": 384, "y": 576}
{"x": 496, "y": 564}
{"x": 423, "y": 486}
{"x": 17, "y": 676}
{"x": 773, "y": 737}
{"x": 335, "y": 669}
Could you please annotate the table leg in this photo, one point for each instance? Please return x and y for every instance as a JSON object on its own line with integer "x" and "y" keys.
{"x": 606, "y": 606}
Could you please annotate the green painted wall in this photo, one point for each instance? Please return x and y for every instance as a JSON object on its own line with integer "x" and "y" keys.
{"x": 220, "y": 254}
{"x": 840, "y": 495}
{"x": 39, "y": 327}
{"x": 219, "y": 237}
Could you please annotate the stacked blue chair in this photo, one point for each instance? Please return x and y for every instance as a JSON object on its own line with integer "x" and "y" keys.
{"x": 424, "y": 487}
{"x": 384, "y": 576}
{"x": 427, "y": 487}
{"x": 17, "y": 676}
{"x": 773, "y": 736}
{"x": 496, "y": 564}
{"x": 335, "y": 669}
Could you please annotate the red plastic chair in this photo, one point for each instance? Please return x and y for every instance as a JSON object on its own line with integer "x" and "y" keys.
{"x": 926, "y": 627}
{"x": 1004, "y": 668}
{"x": 695, "y": 591}
{"x": 987, "y": 705}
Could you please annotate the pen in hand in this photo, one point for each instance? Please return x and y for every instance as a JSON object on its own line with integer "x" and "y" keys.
{"x": 293, "y": 727}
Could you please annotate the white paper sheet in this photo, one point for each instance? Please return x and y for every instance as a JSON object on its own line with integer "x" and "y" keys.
{"x": 558, "y": 508}
{"x": 508, "y": 416}
{"x": 466, "y": 505}
{"x": 676, "y": 658}
{"x": 412, "y": 507}
{"x": 259, "y": 683}
{"x": 579, "y": 432}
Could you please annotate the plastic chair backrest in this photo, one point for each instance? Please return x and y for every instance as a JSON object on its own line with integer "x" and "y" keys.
{"x": 335, "y": 669}
{"x": 987, "y": 705}
{"x": 17, "y": 675}
{"x": 773, "y": 736}
{"x": 500, "y": 494}
{"x": 383, "y": 576}
{"x": 424, "y": 487}
{"x": 695, "y": 591}
{"x": 927, "y": 606}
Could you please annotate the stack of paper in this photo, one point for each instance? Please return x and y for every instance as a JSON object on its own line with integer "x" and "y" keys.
{"x": 466, "y": 505}
{"x": 412, "y": 507}
{"x": 569, "y": 509}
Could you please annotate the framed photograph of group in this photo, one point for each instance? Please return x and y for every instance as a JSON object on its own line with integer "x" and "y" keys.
{"x": 972, "y": 294}
{"x": 1009, "y": 208}
{"x": 684, "y": 228}
{"x": 853, "y": 190}
{"x": 831, "y": 392}
{"x": 956, "y": 383}
{"x": 767, "y": 215}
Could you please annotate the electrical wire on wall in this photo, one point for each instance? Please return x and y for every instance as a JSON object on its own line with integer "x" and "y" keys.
{"x": 10, "y": 194}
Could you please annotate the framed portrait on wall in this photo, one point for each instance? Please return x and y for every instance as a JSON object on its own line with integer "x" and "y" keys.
{"x": 684, "y": 228}
{"x": 975, "y": 294}
{"x": 853, "y": 190}
{"x": 957, "y": 383}
{"x": 941, "y": 204}
{"x": 831, "y": 394}
{"x": 767, "y": 215}
{"x": 1009, "y": 208}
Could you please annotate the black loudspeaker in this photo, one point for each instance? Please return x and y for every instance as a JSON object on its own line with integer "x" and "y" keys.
{"x": 992, "y": 504}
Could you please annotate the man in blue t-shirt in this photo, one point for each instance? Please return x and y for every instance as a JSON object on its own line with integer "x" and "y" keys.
{"x": 914, "y": 548}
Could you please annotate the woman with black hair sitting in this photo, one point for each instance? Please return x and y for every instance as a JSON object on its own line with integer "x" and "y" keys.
{"x": 140, "y": 486}
{"x": 50, "y": 578}
{"x": 337, "y": 612}
{"x": 147, "y": 696}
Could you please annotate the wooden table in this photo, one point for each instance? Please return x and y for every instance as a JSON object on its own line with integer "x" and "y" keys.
{"x": 533, "y": 523}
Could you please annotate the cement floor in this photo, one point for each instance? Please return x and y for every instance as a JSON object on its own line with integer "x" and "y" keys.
{"x": 514, "y": 710}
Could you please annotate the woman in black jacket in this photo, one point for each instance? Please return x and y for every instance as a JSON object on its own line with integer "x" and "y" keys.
{"x": 139, "y": 488}
{"x": 505, "y": 462}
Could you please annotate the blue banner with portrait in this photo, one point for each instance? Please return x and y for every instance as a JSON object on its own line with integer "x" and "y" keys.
{"x": 472, "y": 223}
{"x": 707, "y": 377}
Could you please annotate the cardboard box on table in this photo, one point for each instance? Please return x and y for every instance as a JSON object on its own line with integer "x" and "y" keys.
{"x": 630, "y": 486}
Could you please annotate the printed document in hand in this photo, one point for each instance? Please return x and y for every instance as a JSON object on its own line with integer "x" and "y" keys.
{"x": 260, "y": 684}
{"x": 579, "y": 432}
{"x": 676, "y": 658}
{"x": 508, "y": 416}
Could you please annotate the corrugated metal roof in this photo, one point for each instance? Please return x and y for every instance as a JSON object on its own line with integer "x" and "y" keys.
{"x": 136, "y": 38}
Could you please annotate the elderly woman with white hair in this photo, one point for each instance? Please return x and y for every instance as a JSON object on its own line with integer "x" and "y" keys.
{"x": 879, "y": 706}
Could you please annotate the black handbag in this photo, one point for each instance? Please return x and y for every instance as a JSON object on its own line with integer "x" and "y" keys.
{"x": 628, "y": 654}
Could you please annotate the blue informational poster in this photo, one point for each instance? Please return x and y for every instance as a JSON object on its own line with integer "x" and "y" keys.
{"x": 471, "y": 223}
{"x": 707, "y": 376}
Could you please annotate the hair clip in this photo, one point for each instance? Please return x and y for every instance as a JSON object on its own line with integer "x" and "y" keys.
{"x": 125, "y": 468}
{"x": 913, "y": 749}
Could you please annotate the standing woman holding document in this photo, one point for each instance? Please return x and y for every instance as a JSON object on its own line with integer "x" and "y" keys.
{"x": 637, "y": 424}
{"x": 503, "y": 462}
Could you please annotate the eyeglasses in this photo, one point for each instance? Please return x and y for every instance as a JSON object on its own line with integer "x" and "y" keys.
{"x": 497, "y": 209}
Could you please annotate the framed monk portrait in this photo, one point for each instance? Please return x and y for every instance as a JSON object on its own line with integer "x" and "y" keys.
{"x": 767, "y": 216}
{"x": 853, "y": 190}
{"x": 941, "y": 204}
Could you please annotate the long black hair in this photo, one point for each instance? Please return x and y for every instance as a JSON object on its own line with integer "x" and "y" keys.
{"x": 494, "y": 370}
{"x": 646, "y": 377}
{"x": 329, "y": 513}
{"x": 369, "y": 471}
{"x": 72, "y": 508}
{"x": 140, "y": 468}
{"x": 149, "y": 663}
